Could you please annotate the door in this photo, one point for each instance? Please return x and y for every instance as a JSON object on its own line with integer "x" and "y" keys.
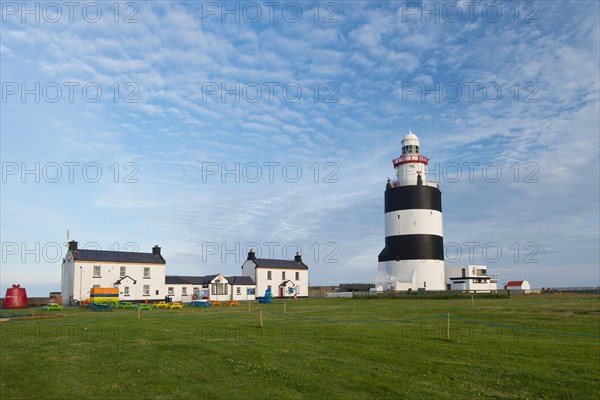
{"x": 281, "y": 291}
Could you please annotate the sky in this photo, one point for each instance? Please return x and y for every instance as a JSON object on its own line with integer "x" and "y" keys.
{"x": 210, "y": 128}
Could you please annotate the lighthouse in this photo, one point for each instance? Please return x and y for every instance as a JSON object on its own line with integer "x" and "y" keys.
{"x": 413, "y": 256}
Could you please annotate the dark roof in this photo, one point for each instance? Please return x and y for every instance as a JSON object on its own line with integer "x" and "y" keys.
{"x": 284, "y": 264}
{"x": 514, "y": 283}
{"x": 117, "y": 256}
{"x": 205, "y": 280}
{"x": 123, "y": 278}
{"x": 189, "y": 280}
{"x": 240, "y": 280}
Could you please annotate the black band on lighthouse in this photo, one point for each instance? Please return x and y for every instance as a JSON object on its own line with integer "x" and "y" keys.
{"x": 413, "y": 197}
{"x": 413, "y": 247}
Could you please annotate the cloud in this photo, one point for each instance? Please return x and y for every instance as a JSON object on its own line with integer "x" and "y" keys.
{"x": 175, "y": 128}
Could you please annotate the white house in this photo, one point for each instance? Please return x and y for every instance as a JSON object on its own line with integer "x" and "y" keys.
{"x": 211, "y": 287}
{"x": 142, "y": 276}
{"x": 139, "y": 276}
{"x": 470, "y": 278}
{"x": 518, "y": 286}
{"x": 284, "y": 277}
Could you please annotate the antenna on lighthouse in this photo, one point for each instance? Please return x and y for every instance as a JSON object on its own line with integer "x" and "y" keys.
{"x": 68, "y": 238}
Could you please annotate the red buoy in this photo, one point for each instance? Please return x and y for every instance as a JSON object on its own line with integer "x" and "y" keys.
{"x": 16, "y": 297}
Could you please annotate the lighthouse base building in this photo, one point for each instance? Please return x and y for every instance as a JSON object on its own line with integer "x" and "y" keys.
{"x": 413, "y": 256}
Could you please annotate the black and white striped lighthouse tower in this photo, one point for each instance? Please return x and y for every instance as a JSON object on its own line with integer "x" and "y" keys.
{"x": 413, "y": 256}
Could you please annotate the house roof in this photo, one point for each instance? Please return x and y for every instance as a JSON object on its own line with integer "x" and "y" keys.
{"x": 240, "y": 280}
{"x": 282, "y": 264}
{"x": 123, "y": 278}
{"x": 284, "y": 283}
{"x": 514, "y": 283}
{"x": 205, "y": 280}
{"x": 117, "y": 256}
{"x": 189, "y": 280}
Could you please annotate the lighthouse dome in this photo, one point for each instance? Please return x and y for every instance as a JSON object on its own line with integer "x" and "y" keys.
{"x": 410, "y": 144}
{"x": 410, "y": 136}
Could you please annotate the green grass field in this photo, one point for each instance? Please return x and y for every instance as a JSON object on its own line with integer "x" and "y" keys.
{"x": 526, "y": 347}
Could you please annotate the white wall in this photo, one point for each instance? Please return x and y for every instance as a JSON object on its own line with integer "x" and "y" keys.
{"x": 260, "y": 278}
{"x": 302, "y": 284}
{"x": 454, "y": 272}
{"x": 407, "y": 173}
{"x": 413, "y": 222}
{"x": 178, "y": 289}
{"x": 426, "y": 273}
{"x": 219, "y": 297}
{"x": 231, "y": 292}
{"x": 248, "y": 269}
{"x": 66, "y": 280}
{"x": 243, "y": 296}
{"x": 469, "y": 284}
{"x": 262, "y": 281}
{"x": 79, "y": 280}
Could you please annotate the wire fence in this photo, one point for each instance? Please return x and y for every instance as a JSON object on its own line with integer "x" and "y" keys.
{"x": 281, "y": 320}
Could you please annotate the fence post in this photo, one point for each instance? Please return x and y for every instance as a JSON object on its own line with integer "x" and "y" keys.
{"x": 260, "y": 318}
{"x": 284, "y": 307}
{"x": 447, "y": 326}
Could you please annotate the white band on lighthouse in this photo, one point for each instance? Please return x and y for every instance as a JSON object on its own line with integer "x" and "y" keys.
{"x": 413, "y": 222}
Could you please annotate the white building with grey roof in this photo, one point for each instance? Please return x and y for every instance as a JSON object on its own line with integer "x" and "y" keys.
{"x": 210, "y": 287}
{"x": 142, "y": 277}
{"x": 285, "y": 278}
{"x": 139, "y": 276}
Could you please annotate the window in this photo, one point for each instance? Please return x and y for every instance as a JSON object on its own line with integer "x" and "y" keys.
{"x": 219, "y": 288}
{"x": 297, "y": 276}
{"x": 146, "y": 272}
{"x": 96, "y": 286}
{"x": 126, "y": 291}
{"x": 238, "y": 291}
{"x": 269, "y": 275}
{"x": 122, "y": 272}
{"x": 184, "y": 291}
{"x": 283, "y": 275}
{"x": 269, "y": 287}
{"x": 171, "y": 291}
{"x": 96, "y": 271}
{"x": 146, "y": 290}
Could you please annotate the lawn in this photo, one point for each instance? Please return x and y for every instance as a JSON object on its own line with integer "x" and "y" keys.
{"x": 525, "y": 347}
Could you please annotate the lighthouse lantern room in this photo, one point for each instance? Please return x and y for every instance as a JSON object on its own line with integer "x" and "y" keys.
{"x": 413, "y": 256}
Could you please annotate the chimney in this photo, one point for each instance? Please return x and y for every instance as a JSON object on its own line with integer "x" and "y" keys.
{"x": 156, "y": 250}
{"x": 251, "y": 255}
{"x": 298, "y": 257}
{"x": 73, "y": 246}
